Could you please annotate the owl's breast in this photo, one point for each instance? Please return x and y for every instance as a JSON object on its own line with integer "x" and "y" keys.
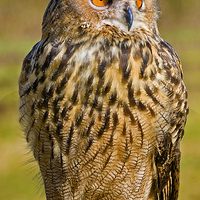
{"x": 99, "y": 107}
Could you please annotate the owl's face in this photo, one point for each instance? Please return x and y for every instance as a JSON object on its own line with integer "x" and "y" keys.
{"x": 125, "y": 15}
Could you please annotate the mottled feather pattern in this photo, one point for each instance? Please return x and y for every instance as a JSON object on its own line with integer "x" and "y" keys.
{"x": 104, "y": 112}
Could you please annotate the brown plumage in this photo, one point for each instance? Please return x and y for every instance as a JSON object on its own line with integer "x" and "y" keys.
{"x": 102, "y": 102}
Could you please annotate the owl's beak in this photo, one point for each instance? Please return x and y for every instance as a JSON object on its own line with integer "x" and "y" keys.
{"x": 123, "y": 21}
{"x": 128, "y": 17}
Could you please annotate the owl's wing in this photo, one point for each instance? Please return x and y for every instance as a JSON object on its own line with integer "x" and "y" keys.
{"x": 168, "y": 156}
{"x": 28, "y": 65}
{"x": 168, "y": 168}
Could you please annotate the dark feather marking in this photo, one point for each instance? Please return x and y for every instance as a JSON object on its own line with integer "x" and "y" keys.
{"x": 127, "y": 112}
{"x": 157, "y": 62}
{"x": 126, "y": 74}
{"x": 56, "y": 107}
{"x": 141, "y": 106}
{"x": 60, "y": 97}
{"x": 89, "y": 144}
{"x": 55, "y": 103}
{"x": 149, "y": 46}
{"x": 59, "y": 129}
{"x": 174, "y": 80}
{"x": 91, "y": 112}
{"x": 40, "y": 104}
{"x": 22, "y": 105}
{"x": 64, "y": 112}
{"x": 32, "y": 109}
{"x": 57, "y": 73}
{"x": 49, "y": 58}
{"x": 44, "y": 42}
{"x": 43, "y": 103}
{"x": 145, "y": 59}
{"x": 152, "y": 76}
{"x": 79, "y": 118}
{"x": 82, "y": 31}
{"x": 42, "y": 78}
{"x": 62, "y": 69}
{"x": 71, "y": 131}
{"x": 99, "y": 106}
{"x": 47, "y": 128}
{"x": 62, "y": 85}
{"x": 70, "y": 51}
{"x": 86, "y": 133}
{"x": 56, "y": 113}
{"x": 102, "y": 69}
{"x": 106, "y": 89}
{"x": 90, "y": 80}
{"x": 45, "y": 116}
{"x": 124, "y": 61}
{"x": 168, "y": 66}
{"x": 152, "y": 111}
{"x": 75, "y": 94}
{"x": 168, "y": 75}
{"x": 35, "y": 85}
{"x": 141, "y": 131}
{"x": 126, "y": 156}
{"x": 64, "y": 63}
{"x": 89, "y": 128}
{"x": 150, "y": 94}
{"x": 37, "y": 69}
{"x": 52, "y": 145}
{"x": 27, "y": 67}
{"x": 26, "y": 92}
{"x": 115, "y": 120}
{"x": 48, "y": 94}
{"x": 113, "y": 98}
{"x": 131, "y": 95}
{"x": 95, "y": 102}
{"x": 88, "y": 92}
{"x": 105, "y": 123}
{"x": 99, "y": 86}
{"x": 124, "y": 129}
{"x": 168, "y": 46}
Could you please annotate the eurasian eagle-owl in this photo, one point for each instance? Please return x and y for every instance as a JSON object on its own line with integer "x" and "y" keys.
{"x": 102, "y": 102}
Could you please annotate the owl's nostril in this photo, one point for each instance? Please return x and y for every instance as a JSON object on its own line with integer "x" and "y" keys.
{"x": 129, "y": 16}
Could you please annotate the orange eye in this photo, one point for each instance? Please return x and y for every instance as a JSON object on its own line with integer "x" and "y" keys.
{"x": 139, "y": 3}
{"x": 100, "y": 3}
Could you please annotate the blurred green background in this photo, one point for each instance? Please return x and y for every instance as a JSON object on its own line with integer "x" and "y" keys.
{"x": 20, "y": 29}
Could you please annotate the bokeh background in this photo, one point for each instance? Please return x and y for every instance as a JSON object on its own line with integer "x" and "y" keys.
{"x": 20, "y": 29}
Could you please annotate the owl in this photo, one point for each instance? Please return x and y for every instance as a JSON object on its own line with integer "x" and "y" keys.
{"x": 102, "y": 102}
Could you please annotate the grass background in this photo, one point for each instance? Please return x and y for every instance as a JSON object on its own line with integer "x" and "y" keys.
{"x": 20, "y": 29}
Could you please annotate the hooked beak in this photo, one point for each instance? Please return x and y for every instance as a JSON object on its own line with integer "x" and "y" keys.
{"x": 128, "y": 16}
{"x": 123, "y": 21}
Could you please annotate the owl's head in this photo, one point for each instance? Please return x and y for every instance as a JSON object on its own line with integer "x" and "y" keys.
{"x": 126, "y": 15}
